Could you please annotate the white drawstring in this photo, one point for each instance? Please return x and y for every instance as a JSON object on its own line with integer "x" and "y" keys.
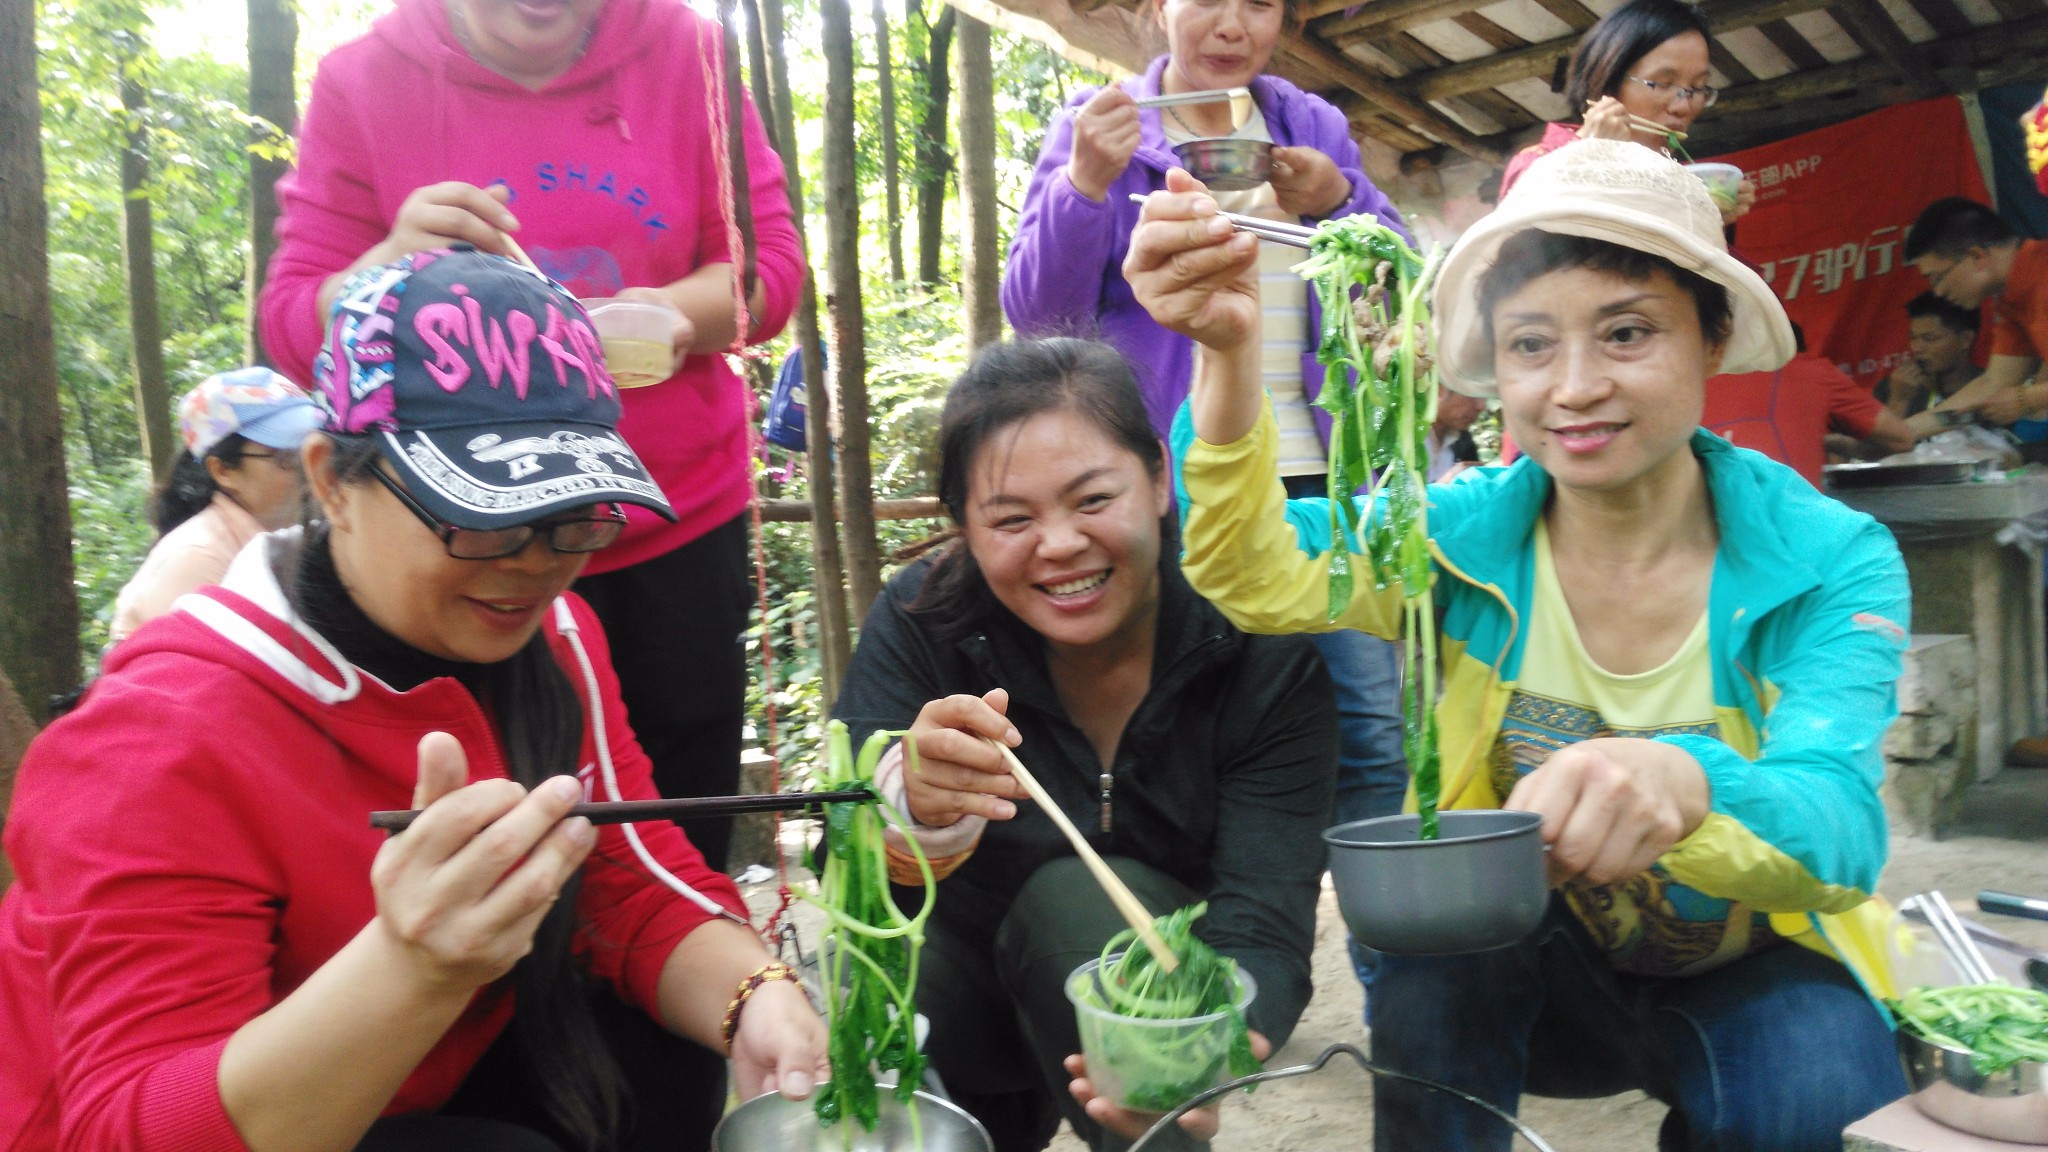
{"x": 565, "y": 623}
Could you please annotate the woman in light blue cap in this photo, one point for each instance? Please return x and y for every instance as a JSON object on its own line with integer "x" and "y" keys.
{"x": 237, "y": 477}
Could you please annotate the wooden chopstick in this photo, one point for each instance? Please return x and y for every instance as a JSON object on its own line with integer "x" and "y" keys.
{"x": 1649, "y": 125}
{"x": 519, "y": 253}
{"x": 1126, "y": 901}
{"x": 629, "y": 811}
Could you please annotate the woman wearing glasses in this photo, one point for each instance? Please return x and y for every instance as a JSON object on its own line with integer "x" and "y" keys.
{"x": 208, "y": 946}
{"x": 1643, "y": 63}
{"x": 237, "y": 476}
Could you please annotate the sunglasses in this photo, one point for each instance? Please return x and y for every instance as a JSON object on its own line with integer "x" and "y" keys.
{"x": 582, "y": 534}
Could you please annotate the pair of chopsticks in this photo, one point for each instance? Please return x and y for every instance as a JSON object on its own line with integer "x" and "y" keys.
{"x": 630, "y": 811}
{"x": 1206, "y": 96}
{"x": 1126, "y": 901}
{"x": 1645, "y": 124}
{"x": 1271, "y": 231}
{"x": 1955, "y": 939}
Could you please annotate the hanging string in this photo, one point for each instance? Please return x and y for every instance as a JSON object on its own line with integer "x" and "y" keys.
{"x": 711, "y": 55}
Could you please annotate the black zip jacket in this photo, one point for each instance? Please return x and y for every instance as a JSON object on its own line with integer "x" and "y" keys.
{"x": 1223, "y": 778}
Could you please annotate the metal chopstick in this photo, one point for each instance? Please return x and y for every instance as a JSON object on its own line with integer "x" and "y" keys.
{"x": 1275, "y": 231}
{"x": 1208, "y": 96}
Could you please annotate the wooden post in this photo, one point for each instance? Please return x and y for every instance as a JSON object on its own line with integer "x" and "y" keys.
{"x": 828, "y": 576}
{"x": 736, "y": 151}
{"x": 981, "y": 266}
{"x": 849, "y": 361}
{"x": 38, "y": 604}
{"x": 273, "y": 51}
{"x": 933, "y": 163}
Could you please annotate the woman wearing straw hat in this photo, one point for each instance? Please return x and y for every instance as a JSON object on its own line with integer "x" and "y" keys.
{"x": 1674, "y": 650}
{"x": 209, "y": 947}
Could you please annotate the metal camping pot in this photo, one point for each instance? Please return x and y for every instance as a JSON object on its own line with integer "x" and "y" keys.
{"x": 1227, "y": 163}
{"x": 775, "y": 1123}
{"x": 1479, "y": 885}
{"x": 1316, "y": 1065}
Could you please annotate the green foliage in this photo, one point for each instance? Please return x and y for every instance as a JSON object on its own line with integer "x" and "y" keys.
{"x": 109, "y": 538}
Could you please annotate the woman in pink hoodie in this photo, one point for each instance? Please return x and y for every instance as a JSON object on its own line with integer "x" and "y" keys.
{"x": 583, "y": 127}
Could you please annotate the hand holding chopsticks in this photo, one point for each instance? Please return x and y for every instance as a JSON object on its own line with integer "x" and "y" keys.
{"x": 1272, "y": 231}
{"x": 1126, "y": 901}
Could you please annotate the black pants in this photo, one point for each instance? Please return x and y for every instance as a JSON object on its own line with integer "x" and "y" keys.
{"x": 677, "y": 1095}
{"x": 676, "y": 624}
{"x": 1001, "y": 1021}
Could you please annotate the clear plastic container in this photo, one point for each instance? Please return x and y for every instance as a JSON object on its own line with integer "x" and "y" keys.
{"x": 1152, "y": 1065}
{"x": 1723, "y": 181}
{"x": 638, "y": 338}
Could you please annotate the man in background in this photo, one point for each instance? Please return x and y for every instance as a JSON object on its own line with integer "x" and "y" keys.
{"x": 1969, "y": 255}
{"x": 1788, "y": 414}
{"x": 1940, "y": 337}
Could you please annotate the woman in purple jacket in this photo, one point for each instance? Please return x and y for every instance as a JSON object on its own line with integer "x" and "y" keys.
{"x": 1066, "y": 278}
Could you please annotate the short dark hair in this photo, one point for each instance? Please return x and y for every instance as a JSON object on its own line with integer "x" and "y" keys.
{"x": 1532, "y": 252}
{"x": 1613, "y": 45}
{"x": 1955, "y": 319}
{"x": 1953, "y": 225}
{"x": 1006, "y": 385}
{"x": 187, "y": 486}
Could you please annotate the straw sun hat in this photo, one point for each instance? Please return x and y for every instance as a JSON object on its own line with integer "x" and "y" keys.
{"x": 1626, "y": 194}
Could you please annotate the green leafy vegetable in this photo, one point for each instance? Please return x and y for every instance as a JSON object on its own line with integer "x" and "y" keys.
{"x": 1163, "y": 1068}
{"x": 1999, "y": 1026}
{"x": 1673, "y": 142}
{"x": 1380, "y": 389}
{"x": 870, "y": 975}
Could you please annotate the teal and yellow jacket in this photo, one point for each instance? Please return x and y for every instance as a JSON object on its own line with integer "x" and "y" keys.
{"x": 1807, "y": 618}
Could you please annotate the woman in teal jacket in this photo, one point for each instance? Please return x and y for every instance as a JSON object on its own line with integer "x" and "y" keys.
{"x": 1673, "y": 650}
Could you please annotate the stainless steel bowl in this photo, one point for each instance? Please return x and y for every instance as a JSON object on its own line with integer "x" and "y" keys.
{"x": 775, "y": 1123}
{"x": 1227, "y": 163}
{"x": 1481, "y": 885}
{"x": 2011, "y": 1105}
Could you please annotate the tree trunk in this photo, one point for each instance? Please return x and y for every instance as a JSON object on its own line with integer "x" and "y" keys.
{"x": 849, "y": 361}
{"x": 757, "y": 74}
{"x": 934, "y": 165}
{"x": 736, "y": 154}
{"x": 16, "y": 730}
{"x": 892, "y": 155}
{"x": 145, "y": 325}
{"x": 273, "y": 52}
{"x": 38, "y": 604}
{"x": 835, "y": 644}
{"x": 981, "y": 272}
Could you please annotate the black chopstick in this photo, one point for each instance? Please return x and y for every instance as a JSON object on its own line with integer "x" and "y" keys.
{"x": 628, "y": 811}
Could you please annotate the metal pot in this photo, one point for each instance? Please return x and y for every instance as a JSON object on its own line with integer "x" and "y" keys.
{"x": 1480, "y": 885}
{"x": 2010, "y": 1105}
{"x": 1227, "y": 163}
{"x": 775, "y": 1123}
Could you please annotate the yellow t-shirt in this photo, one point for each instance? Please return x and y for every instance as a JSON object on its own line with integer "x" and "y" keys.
{"x": 1650, "y": 924}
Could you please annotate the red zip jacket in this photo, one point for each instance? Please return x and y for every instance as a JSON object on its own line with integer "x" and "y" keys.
{"x": 611, "y": 169}
{"x": 193, "y": 842}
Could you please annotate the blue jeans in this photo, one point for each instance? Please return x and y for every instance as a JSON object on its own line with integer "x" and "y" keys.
{"x": 1777, "y": 1052}
{"x": 1372, "y": 770}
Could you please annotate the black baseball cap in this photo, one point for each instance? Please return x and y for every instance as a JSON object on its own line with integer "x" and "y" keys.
{"x": 485, "y": 384}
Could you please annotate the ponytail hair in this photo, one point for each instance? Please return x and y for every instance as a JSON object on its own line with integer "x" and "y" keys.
{"x": 187, "y": 486}
{"x": 540, "y": 721}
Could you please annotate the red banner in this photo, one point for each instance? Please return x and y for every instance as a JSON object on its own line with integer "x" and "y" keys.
{"x": 1831, "y": 216}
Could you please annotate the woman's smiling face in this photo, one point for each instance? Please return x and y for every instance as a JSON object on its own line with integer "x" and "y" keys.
{"x": 1602, "y": 378}
{"x": 1064, "y": 524}
{"x": 1220, "y": 43}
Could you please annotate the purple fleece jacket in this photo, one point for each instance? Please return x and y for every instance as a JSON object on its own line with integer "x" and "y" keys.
{"x": 1065, "y": 276}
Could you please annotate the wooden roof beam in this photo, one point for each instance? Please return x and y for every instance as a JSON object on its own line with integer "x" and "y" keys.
{"x": 1392, "y": 102}
{"x": 1990, "y": 44}
{"x": 1873, "y": 28}
{"x": 1490, "y": 71}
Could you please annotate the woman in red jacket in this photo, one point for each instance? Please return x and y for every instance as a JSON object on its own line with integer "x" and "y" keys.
{"x": 584, "y": 128}
{"x": 209, "y": 947}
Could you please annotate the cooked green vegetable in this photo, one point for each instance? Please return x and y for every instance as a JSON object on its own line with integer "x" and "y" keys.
{"x": 2000, "y": 1026}
{"x": 1380, "y": 424}
{"x": 1160, "y": 1072}
{"x": 1673, "y": 142}
{"x": 870, "y": 976}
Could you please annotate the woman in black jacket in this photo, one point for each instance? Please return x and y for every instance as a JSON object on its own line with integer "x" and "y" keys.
{"x": 1199, "y": 759}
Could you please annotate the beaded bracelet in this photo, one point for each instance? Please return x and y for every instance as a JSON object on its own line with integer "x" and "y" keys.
{"x": 773, "y": 970}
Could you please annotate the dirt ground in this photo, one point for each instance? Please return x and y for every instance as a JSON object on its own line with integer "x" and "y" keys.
{"x": 2001, "y": 841}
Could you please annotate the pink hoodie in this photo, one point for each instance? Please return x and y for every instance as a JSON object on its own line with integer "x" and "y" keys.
{"x": 613, "y": 181}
